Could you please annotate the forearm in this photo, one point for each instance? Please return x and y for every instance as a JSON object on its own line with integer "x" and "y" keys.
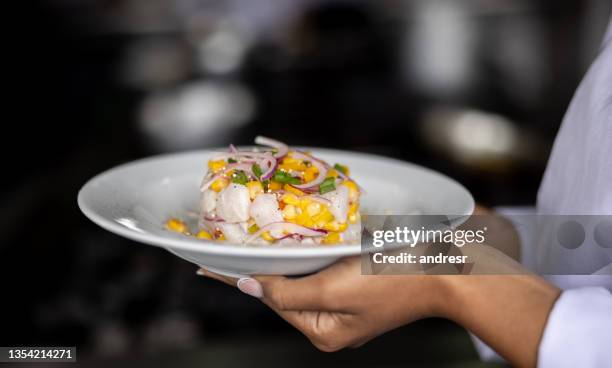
{"x": 508, "y": 312}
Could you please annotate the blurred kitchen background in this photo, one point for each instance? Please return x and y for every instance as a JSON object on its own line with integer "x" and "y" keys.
{"x": 473, "y": 88}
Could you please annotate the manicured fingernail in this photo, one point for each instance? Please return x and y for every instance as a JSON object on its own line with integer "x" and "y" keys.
{"x": 251, "y": 287}
{"x": 201, "y": 272}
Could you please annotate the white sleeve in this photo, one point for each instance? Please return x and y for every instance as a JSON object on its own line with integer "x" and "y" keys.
{"x": 526, "y": 231}
{"x": 579, "y": 330}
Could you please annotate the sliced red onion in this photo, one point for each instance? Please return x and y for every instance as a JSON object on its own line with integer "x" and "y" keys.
{"x": 348, "y": 178}
{"x": 247, "y": 168}
{"x": 246, "y": 154}
{"x": 341, "y": 175}
{"x": 269, "y": 164}
{"x": 319, "y": 165}
{"x": 311, "y": 190}
{"x": 232, "y": 148}
{"x": 288, "y": 227}
{"x": 206, "y": 184}
{"x": 280, "y": 146}
{"x": 297, "y": 237}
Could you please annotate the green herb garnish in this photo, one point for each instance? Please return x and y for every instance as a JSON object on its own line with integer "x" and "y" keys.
{"x": 341, "y": 168}
{"x": 239, "y": 177}
{"x": 266, "y": 185}
{"x": 285, "y": 178}
{"x": 231, "y": 161}
{"x": 257, "y": 170}
{"x": 327, "y": 185}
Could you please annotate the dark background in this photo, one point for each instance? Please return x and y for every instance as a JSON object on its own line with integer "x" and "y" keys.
{"x": 475, "y": 89}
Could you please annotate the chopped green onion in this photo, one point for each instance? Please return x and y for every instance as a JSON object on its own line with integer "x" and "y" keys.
{"x": 239, "y": 177}
{"x": 341, "y": 168}
{"x": 266, "y": 184}
{"x": 257, "y": 170}
{"x": 285, "y": 178}
{"x": 327, "y": 185}
{"x": 231, "y": 161}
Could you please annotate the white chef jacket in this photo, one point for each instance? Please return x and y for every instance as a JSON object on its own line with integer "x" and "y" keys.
{"x": 578, "y": 181}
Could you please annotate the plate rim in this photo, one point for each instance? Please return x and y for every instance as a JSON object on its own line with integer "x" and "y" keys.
{"x": 203, "y": 246}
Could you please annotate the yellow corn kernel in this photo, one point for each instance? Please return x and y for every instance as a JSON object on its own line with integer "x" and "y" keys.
{"x": 353, "y": 217}
{"x": 313, "y": 209}
{"x": 274, "y": 186}
{"x": 221, "y": 237}
{"x": 292, "y": 189}
{"x": 353, "y": 190}
{"x": 266, "y": 236}
{"x": 332, "y": 173}
{"x": 216, "y": 166}
{"x": 335, "y": 226}
{"x": 290, "y": 198}
{"x": 304, "y": 220}
{"x": 289, "y": 212}
{"x": 323, "y": 218}
{"x": 176, "y": 225}
{"x": 255, "y": 189}
{"x": 332, "y": 226}
{"x": 203, "y": 234}
{"x": 289, "y": 159}
{"x": 331, "y": 238}
{"x": 310, "y": 174}
{"x": 353, "y": 208}
{"x": 219, "y": 184}
{"x": 253, "y": 229}
{"x": 290, "y": 163}
{"x": 304, "y": 202}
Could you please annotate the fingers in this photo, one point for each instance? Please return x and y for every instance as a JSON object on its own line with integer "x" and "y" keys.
{"x": 247, "y": 285}
{"x": 315, "y": 292}
{"x": 225, "y": 279}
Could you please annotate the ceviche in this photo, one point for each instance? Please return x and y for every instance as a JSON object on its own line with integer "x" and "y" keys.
{"x": 276, "y": 195}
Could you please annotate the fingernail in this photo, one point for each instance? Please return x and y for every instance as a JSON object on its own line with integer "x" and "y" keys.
{"x": 250, "y": 286}
{"x": 201, "y": 272}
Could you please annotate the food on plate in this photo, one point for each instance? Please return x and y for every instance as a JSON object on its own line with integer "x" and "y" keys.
{"x": 276, "y": 195}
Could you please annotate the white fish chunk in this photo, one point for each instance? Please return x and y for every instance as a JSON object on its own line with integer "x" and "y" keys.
{"x": 265, "y": 210}
{"x": 234, "y": 233}
{"x": 352, "y": 234}
{"x": 308, "y": 241}
{"x": 208, "y": 202}
{"x": 233, "y": 203}
{"x": 339, "y": 199}
{"x": 288, "y": 241}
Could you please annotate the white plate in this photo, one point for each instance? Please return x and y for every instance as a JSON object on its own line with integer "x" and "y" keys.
{"x": 134, "y": 200}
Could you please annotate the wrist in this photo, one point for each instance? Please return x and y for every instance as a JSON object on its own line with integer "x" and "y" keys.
{"x": 443, "y": 294}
